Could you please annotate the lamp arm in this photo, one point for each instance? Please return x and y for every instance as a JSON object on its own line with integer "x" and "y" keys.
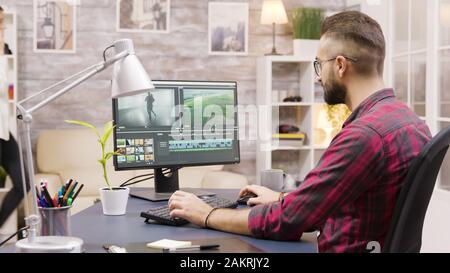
{"x": 32, "y": 219}
{"x": 58, "y": 83}
{"x": 97, "y": 68}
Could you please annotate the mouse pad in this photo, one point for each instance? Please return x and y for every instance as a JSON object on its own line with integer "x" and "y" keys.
{"x": 227, "y": 245}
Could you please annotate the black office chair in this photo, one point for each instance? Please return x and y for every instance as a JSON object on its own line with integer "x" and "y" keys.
{"x": 405, "y": 232}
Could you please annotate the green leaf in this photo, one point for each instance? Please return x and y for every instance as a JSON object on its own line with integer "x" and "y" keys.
{"x": 107, "y": 130}
{"x": 110, "y": 154}
{"x": 107, "y": 126}
{"x": 107, "y": 133}
{"x": 85, "y": 124}
{"x": 82, "y": 123}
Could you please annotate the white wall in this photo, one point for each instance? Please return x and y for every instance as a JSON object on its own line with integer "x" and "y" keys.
{"x": 436, "y": 230}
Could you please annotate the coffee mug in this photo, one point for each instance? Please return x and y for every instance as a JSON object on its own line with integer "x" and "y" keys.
{"x": 273, "y": 179}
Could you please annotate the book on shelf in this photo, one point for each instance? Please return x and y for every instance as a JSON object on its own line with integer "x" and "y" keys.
{"x": 292, "y": 136}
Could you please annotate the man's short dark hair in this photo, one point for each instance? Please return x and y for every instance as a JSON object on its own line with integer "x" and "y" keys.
{"x": 362, "y": 37}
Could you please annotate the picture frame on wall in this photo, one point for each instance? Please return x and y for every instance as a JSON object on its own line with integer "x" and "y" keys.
{"x": 54, "y": 24}
{"x": 143, "y": 16}
{"x": 228, "y": 28}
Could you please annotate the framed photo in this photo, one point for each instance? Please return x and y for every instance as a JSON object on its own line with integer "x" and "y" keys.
{"x": 228, "y": 28}
{"x": 54, "y": 26}
{"x": 143, "y": 16}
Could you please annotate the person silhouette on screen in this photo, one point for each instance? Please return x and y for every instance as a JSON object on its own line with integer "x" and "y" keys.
{"x": 213, "y": 126}
{"x": 150, "y": 100}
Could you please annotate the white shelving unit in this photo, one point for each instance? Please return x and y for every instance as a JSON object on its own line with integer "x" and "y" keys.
{"x": 296, "y": 76}
{"x": 10, "y": 37}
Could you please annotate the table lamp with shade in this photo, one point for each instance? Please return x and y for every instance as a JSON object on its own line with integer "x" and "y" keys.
{"x": 129, "y": 78}
{"x": 445, "y": 14}
{"x": 273, "y": 13}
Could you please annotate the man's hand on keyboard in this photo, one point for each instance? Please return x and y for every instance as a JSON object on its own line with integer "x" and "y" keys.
{"x": 188, "y": 206}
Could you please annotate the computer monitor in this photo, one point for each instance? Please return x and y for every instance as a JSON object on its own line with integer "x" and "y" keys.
{"x": 180, "y": 123}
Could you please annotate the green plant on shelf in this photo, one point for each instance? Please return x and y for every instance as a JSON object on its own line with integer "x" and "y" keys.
{"x": 102, "y": 139}
{"x": 307, "y": 23}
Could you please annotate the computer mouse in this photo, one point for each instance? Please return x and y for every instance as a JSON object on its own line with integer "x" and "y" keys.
{"x": 243, "y": 199}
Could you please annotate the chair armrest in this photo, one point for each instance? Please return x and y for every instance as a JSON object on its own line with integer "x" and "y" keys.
{"x": 54, "y": 181}
{"x": 224, "y": 180}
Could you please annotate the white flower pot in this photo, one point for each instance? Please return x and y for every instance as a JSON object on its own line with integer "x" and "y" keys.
{"x": 114, "y": 202}
{"x": 306, "y": 48}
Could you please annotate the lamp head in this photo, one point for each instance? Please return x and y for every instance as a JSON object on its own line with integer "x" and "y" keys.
{"x": 273, "y": 11}
{"x": 129, "y": 76}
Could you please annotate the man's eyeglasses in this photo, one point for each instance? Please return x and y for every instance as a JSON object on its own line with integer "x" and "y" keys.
{"x": 318, "y": 63}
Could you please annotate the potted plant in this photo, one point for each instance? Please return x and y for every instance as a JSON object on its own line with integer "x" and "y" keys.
{"x": 114, "y": 199}
{"x": 306, "y": 26}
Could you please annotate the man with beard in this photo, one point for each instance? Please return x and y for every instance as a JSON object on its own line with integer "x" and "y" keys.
{"x": 351, "y": 194}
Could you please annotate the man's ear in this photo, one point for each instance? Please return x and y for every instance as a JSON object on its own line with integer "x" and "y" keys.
{"x": 342, "y": 66}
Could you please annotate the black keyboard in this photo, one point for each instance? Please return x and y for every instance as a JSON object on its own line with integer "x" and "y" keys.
{"x": 161, "y": 214}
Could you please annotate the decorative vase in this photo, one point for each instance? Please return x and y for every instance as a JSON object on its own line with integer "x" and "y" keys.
{"x": 306, "y": 48}
{"x": 114, "y": 202}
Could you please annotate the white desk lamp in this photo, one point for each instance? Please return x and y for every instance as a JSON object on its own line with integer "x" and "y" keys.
{"x": 273, "y": 12}
{"x": 129, "y": 78}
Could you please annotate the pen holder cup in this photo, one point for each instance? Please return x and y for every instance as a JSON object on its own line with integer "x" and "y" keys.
{"x": 55, "y": 221}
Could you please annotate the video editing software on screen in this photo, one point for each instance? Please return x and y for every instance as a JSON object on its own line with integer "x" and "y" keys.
{"x": 178, "y": 123}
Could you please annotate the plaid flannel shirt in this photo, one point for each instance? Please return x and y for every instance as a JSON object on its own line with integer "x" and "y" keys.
{"x": 351, "y": 194}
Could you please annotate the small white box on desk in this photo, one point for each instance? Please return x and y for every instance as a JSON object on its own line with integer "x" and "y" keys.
{"x": 168, "y": 244}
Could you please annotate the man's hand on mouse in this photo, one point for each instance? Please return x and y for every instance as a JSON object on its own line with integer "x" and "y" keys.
{"x": 188, "y": 206}
{"x": 264, "y": 195}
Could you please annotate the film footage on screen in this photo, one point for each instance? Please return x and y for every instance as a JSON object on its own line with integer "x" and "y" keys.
{"x": 186, "y": 112}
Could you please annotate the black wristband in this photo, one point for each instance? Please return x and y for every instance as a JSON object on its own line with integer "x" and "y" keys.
{"x": 207, "y": 217}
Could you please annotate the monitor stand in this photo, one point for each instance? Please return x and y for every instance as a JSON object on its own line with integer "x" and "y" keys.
{"x": 165, "y": 186}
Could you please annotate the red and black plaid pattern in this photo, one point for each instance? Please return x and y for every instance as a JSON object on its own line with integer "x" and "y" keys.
{"x": 351, "y": 194}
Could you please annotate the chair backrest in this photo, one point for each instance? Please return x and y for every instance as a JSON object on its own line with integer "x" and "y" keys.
{"x": 405, "y": 232}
